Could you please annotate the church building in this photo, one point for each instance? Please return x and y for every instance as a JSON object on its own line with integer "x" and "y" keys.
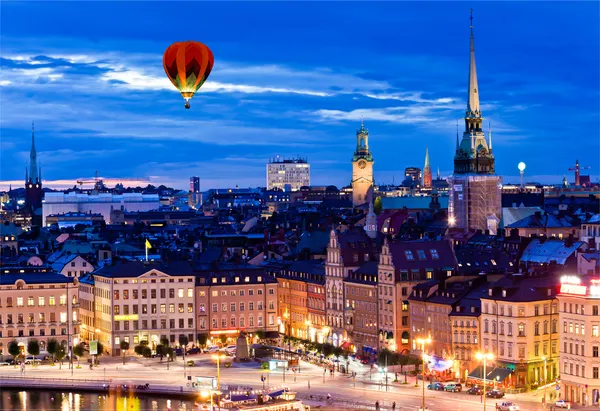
{"x": 362, "y": 169}
{"x": 475, "y": 189}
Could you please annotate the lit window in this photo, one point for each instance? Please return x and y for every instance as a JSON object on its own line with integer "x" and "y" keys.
{"x": 409, "y": 255}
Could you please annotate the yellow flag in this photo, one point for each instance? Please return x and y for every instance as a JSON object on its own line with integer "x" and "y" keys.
{"x": 148, "y": 245}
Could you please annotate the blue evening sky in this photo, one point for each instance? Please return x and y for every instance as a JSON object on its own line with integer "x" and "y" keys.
{"x": 294, "y": 79}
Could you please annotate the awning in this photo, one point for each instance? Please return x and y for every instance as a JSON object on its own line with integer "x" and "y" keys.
{"x": 271, "y": 334}
{"x": 346, "y": 345}
{"x": 497, "y": 374}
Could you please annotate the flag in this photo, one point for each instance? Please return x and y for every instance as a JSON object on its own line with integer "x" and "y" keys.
{"x": 148, "y": 245}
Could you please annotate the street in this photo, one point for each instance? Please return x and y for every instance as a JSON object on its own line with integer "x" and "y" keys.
{"x": 345, "y": 391}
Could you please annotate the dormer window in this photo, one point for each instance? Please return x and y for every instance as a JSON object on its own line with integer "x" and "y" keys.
{"x": 503, "y": 293}
{"x": 434, "y": 254}
{"x": 421, "y": 254}
{"x": 549, "y": 292}
{"x": 490, "y": 292}
{"x": 409, "y": 255}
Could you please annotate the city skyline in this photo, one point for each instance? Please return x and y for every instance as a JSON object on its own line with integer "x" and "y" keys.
{"x": 301, "y": 93}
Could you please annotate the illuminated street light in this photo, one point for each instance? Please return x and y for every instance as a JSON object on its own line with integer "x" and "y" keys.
{"x": 484, "y": 357}
{"x": 521, "y": 168}
{"x": 422, "y": 342}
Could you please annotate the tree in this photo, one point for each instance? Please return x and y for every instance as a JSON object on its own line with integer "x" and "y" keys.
{"x": 33, "y": 348}
{"x": 183, "y": 342}
{"x": 327, "y": 350}
{"x": 14, "y": 349}
{"x": 170, "y": 353}
{"x": 161, "y": 350}
{"x": 61, "y": 353}
{"x": 202, "y": 339}
{"x": 377, "y": 206}
{"x": 78, "y": 351}
{"x": 164, "y": 341}
{"x": 223, "y": 339}
{"x": 147, "y": 352}
{"x": 52, "y": 347}
{"x": 260, "y": 335}
{"x": 100, "y": 352}
{"x": 139, "y": 349}
{"x": 124, "y": 347}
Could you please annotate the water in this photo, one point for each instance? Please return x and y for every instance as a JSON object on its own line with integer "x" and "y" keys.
{"x": 67, "y": 401}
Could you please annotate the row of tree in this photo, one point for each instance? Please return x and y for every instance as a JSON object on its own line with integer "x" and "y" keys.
{"x": 328, "y": 350}
{"x": 57, "y": 351}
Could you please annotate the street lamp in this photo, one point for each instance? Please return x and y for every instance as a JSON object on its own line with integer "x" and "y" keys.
{"x": 545, "y": 380}
{"x": 218, "y": 358}
{"x": 521, "y": 168}
{"x": 168, "y": 360}
{"x": 484, "y": 357}
{"x": 422, "y": 342}
{"x": 209, "y": 393}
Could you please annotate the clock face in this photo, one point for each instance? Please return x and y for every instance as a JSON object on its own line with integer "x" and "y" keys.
{"x": 362, "y": 164}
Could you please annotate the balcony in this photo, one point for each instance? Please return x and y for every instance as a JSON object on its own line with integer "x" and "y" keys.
{"x": 75, "y": 305}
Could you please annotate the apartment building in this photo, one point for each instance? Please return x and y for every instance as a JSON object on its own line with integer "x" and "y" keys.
{"x": 402, "y": 265}
{"x": 579, "y": 319}
{"x": 134, "y": 301}
{"x": 519, "y": 321}
{"x": 361, "y": 307}
{"x": 37, "y": 303}
{"x": 231, "y": 299}
{"x": 346, "y": 252}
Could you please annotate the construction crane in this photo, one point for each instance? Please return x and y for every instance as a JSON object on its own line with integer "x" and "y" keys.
{"x": 577, "y": 170}
{"x": 99, "y": 183}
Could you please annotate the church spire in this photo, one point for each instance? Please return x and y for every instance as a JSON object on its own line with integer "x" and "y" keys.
{"x": 33, "y": 173}
{"x": 490, "y": 135}
{"x": 457, "y": 141}
{"x": 473, "y": 109}
{"x": 426, "y": 156}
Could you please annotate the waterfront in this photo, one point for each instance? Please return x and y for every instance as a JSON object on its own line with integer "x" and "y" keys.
{"x": 69, "y": 401}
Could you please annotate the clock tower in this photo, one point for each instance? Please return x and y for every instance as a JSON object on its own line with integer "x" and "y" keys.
{"x": 362, "y": 168}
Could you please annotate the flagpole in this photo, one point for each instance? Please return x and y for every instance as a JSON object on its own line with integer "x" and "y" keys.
{"x": 146, "y": 247}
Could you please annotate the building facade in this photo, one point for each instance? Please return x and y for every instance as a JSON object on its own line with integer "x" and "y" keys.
{"x": 475, "y": 189}
{"x": 288, "y": 175}
{"x": 361, "y": 307}
{"x": 579, "y": 319}
{"x": 232, "y": 300}
{"x": 427, "y": 177}
{"x": 36, "y": 303}
{"x": 362, "y": 169}
{"x": 135, "y": 301}
{"x": 103, "y": 203}
{"x": 519, "y": 325}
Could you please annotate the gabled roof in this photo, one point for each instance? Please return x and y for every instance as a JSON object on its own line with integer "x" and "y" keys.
{"x": 402, "y": 250}
{"x": 519, "y": 288}
{"x": 538, "y": 220}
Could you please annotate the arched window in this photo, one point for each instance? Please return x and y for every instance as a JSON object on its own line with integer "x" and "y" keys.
{"x": 486, "y": 326}
{"x": 456, "y": 336}
{"x": 468, "y": 337}
{"x": 462, "y": 336}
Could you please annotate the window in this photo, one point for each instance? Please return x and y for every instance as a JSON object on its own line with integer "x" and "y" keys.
{"x": 536, "y": 329}
{"x": 595, "y": 351}
{"x": 223, "y": 307}
{"x": 409, "y": 255}
{"x": 181, "y": 309}
{"x": 521, "y": 311}
{"x": 163, "y": 308}
{"x": 434, "y": 254}
{"x": 223, "y": 322}
{"x": 594, "y": 331}
{"x": 232, "y": 307}
{"x": 190, "y": 308}
{"x": 536, "y": 350}
{"x": 536, "y": 310}
{"x": 116, "y": 310}
{"x": 190, "y": 292}
{"x": 271, "y": 291}
{"x": 521, "y": 330}
{"x": 144, "y": 294}
{"x": 41, "y": 302}
{"x": 19, "y": 301}
{"x": 421, "y": 254}
{"x": 521, "y": 351}
{"x": 163, "y": 293}
{"x": 594, "y": 310}
{"x": 251, "y": 306}
{"x": 180, "y": 293}
{"x": 232, "y": 322}
{"x": 242, "y": 322}
{"x": 594, "y": 372}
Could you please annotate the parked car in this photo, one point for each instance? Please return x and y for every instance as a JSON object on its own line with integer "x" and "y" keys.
{"x": 437, "y": 386}
{"x": 212, "y": 349}
{"x": 195, "y": 350}
{"x": 454, "y": 387}
{"x": 562, "y": 404}
{"x": 508, "y": 406}
{"x": 8, "y": 362}
{"x": 178, "y": 351}
{"x": 231, "y": 349}
{"x": 475, "y": 390}
{"x": 494, "y": 394}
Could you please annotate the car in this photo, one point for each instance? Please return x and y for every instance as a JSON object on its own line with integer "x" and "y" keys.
{"x": 453, "y": 387}
{"x": 475, "y": 390}
{"x": 212, "y": 348}
{"x": 562, "y": 404}
{"x": 231, "y": 349}
{"x": 508, "y": 406}
{"x": 494, "y": 394}
{"x": 437, "y": 386}
{"x": 194, "y": 350}
{"x": 5, "y": 363}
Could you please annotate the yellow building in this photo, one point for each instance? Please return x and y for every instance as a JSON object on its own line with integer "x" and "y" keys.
{"x": 519, "y": 325}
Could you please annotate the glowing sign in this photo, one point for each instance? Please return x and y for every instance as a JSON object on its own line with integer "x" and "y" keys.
{"x": 570, "y": 279}
{"x": 573, "y": 289}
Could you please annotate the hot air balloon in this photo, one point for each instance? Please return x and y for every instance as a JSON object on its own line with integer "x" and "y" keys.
{"x": 188, "y": 65}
